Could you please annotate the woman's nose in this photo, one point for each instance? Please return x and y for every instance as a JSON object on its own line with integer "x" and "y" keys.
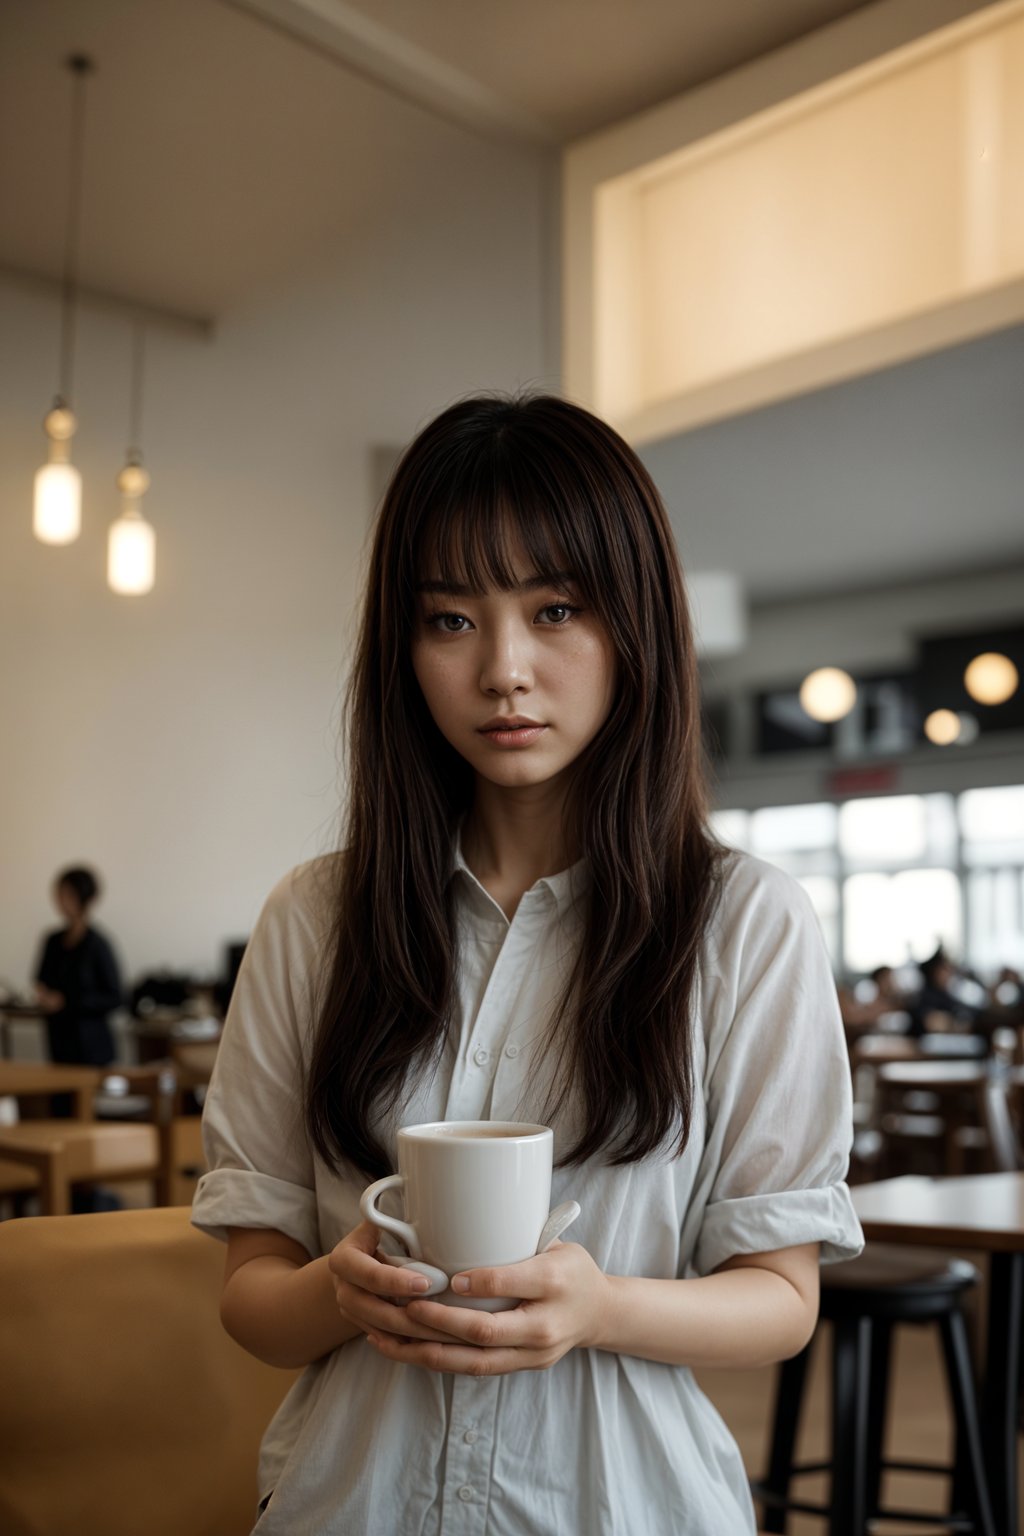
{"x": 507, "y": 663}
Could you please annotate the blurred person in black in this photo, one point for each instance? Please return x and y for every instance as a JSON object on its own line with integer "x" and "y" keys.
{"x": 78, "y": 983}
{"x": 938, "y": 996}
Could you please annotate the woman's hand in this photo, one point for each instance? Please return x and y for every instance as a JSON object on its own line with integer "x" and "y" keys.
{"x": 564, "y": 1302}
{"x": 368, "y": 1291}
{"x": 49, "y": 1001}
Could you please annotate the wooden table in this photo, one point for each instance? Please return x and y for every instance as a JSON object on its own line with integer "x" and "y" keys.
{"x": 959, "y": 1084}
{"x": 983, "y": 1212}
{"x": 879, "y": 1050}
{"x": 41, "y": 1079}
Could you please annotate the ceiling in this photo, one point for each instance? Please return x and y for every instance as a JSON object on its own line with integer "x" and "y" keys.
{"x": 227, "y": 139}
{"x": 196, "y": 195}
{"x": 252, "y": 141}
{"x": 576, "y": 65}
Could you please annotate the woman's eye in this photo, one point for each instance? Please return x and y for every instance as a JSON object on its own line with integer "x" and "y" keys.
{"x": 448, "y": 623}
{"x": 560, "y": 613}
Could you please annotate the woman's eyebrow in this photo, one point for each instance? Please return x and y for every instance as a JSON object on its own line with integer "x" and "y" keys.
{"x": 531, "y": 584}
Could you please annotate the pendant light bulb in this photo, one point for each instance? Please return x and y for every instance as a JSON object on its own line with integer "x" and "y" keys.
{"x": 131, "y": 544}
{"x": 57, "y": 505}
{"x": 57, "y": 502}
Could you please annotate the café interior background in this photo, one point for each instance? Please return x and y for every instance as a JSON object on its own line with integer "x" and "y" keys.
{"x": 335, "y": 220}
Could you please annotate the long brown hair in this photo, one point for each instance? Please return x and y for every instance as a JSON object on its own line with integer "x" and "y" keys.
{"x": 489, "y": 475}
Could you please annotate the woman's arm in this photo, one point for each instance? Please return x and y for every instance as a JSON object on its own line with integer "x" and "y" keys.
{"x": 277, "y": 1302}
{"x": 289, "y": 1310}
{"x": 753, "y": 1310}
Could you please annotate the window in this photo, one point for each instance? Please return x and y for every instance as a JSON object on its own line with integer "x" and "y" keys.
{"x": 992, "y": 825}
{"x": 889, "y": 919}
{"x": 798, "y": 838}
{"x": 898, "y": 830}
{"x": 824, "y": 893}
{"x": 892, "y": 877}
{"x": 731, "y": 828}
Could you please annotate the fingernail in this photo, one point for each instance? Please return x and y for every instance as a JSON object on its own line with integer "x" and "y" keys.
{"x": 419, "y": 1283}
{"x": 460, "y": 1283}
{"x": 371, "y": 1338}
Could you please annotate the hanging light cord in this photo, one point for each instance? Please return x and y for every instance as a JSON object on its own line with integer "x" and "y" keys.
{"x": 135, "y": 419}
{"x": 80, "y": 66}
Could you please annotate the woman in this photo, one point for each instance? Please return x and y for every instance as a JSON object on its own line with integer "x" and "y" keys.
{"x": 530, "y": 921}
{"x": 78, "y": 984}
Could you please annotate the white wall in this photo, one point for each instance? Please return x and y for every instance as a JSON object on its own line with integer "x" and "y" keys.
{"x": 185, "y": 743}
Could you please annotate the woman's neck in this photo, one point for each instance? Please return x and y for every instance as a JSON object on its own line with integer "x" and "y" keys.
{"x": 512, "y": 839}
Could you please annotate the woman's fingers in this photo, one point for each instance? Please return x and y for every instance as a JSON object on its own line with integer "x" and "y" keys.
{"x": 486, "y": 1330}
{"x": 374, "y": 1314}
{"x": 354, "y": 1261}
{"x": 367, "y": 1289}
{"x": 461, "y": 1360}
{"x": 526, "y": 1281}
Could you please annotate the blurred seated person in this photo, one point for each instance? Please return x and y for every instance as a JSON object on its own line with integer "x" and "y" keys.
{"x": 1008, "y": 997}
{"x": 877, "y": 996}
{"x": 939, "y": 996}
{"x": 78, "y": 984}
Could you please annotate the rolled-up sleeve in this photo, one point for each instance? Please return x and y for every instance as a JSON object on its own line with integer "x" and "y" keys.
{"x": 261, "y": 1171}
{"x": 777, "y": 1089}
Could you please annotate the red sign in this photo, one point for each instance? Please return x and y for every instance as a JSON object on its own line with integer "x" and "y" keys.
{"x": 842, "y": 783}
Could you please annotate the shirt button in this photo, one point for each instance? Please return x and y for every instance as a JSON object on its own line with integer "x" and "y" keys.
{"x": 511, "y": 1051}
{"x": 465, "y": 1493}
{"x": 471, "y": 1437}
{"x": 480, "y": 1056}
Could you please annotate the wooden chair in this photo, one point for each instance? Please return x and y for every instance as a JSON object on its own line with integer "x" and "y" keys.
{"x": 181, "y": 1159}
{"x": 1005, "y": 1153}
{"x": 17, "y": 1182}
{"x": 125, "y": 1406}
{"x": 35, "y": 1085}
{"x": 65, "y": 1153}
{"x": 48, "y": 1157}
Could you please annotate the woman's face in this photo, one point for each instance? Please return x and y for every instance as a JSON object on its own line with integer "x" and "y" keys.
{"x": 535, "y": 653}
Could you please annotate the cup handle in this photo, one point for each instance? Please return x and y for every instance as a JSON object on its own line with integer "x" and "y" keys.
{"x": 399, "y": 1229}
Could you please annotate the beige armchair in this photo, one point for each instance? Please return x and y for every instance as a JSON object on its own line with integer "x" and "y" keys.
{"x": 125, "y": 1407}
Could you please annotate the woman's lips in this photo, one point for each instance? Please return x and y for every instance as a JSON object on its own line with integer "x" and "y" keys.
{"x": 520, "y": 736}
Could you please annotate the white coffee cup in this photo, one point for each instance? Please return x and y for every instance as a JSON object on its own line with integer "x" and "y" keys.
{"x": 476, "y": 1193}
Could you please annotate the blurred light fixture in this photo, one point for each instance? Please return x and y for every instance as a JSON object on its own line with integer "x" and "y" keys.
{"x": 57, "y": 503}
{"x": 942, "y": 727}
{"x": 991, "y": 678}
{"x": 57, "y": 510}
{"x": 719, "y": 612}
{"x": 828, "y": 694}
{"x": 131, "y": 543}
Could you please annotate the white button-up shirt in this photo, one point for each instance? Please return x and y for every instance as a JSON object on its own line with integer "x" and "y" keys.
{"x": 602, "y": 1444}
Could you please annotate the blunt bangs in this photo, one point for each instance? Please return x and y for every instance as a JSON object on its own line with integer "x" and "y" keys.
{"x": 508, "y": 494}
{"x": 476, "y": 544}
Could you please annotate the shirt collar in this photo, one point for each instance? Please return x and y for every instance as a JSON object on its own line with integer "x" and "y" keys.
{"x": 560, "y": 892}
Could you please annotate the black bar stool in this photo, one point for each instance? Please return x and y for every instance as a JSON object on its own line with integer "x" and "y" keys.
{"x": 863, "y": 1299}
